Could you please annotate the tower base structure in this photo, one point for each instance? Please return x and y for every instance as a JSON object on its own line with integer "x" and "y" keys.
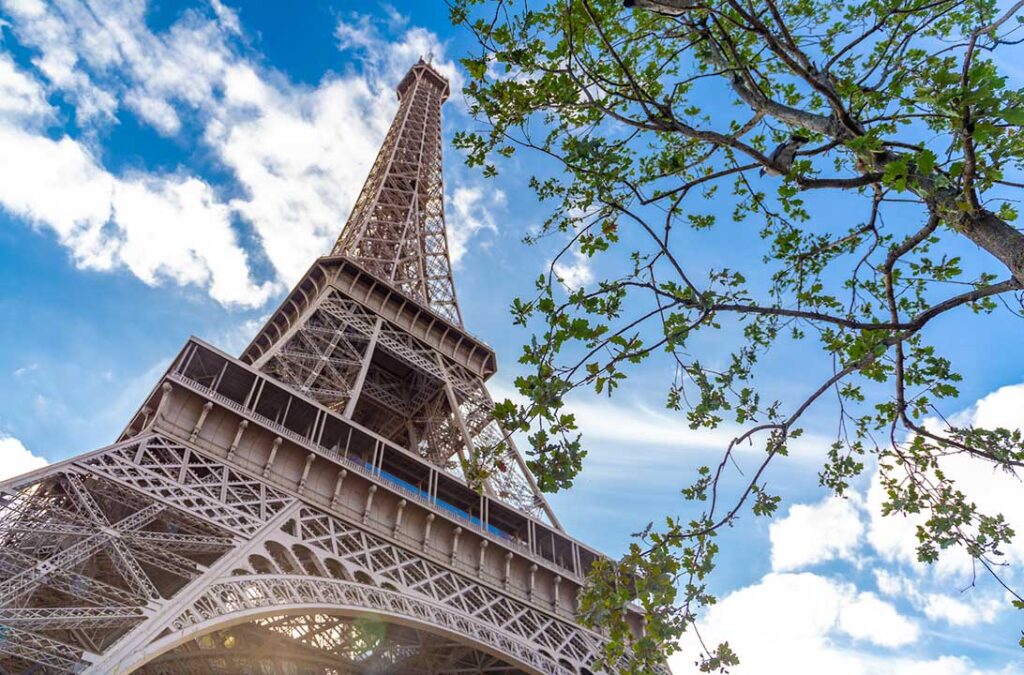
{"x": 223, "y": 535}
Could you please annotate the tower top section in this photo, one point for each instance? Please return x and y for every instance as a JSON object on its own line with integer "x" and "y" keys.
{"x": 423, "y": 70}
{"x": 396, "y": 230}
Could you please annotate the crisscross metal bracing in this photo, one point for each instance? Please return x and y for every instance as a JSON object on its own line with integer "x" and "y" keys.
{"x": 304, "y": 508}
{"x": 397, "y": 229}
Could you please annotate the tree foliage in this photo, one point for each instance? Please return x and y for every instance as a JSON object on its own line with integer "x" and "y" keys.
{"x": 861, "y": 146}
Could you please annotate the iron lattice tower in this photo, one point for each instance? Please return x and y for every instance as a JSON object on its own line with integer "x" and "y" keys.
{"x": 302, "y": 508}
{"x": 397, "y": 227}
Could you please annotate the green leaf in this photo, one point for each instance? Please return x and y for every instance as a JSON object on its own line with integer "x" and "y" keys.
{"x": 1014, "y": 116}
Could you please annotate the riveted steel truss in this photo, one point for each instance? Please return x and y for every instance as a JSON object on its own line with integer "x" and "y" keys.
{"x": 397, "y": 227}
{"x": 84, "y": 557}
{"x": 384, "y": 369}
{"x": 131, "y": 556}
{"x": 355, "y": 362}
{"x": 220, "y": 536}
{"x": 399, "y": 568}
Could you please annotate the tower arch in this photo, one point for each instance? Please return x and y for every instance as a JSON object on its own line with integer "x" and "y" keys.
{"x": 369, "y": 626}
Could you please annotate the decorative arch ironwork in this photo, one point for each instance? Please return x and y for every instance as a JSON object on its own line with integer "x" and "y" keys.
{"x": 241, "y": 600}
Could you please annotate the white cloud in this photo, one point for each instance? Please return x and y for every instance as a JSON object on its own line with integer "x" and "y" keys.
{"x": 956, "y": 612}
{"x": 894, "y": 583}
{"x": 157, "y": 111}
{"x": 894, "y": 537}
{"x": 809, "y": 624}
{"x": 227, "y": 16}
{"x": 299, "y": 154}
{"x": 238, "y": 337}
{"x": 103, "y": 54}
{"x": 358, "y": 34}
{"x": 388, "y": 60}
{"x": 866, "y": 617}
{"x": 609, "y": 425}
{"x": 973, "y": 607}
{"x": 27, "y": 368}
{"x": 632, "y": 422}
{"x": 22, "y": 98}
{"x": 16, "y": 459}
{"x": 301, "y": 157}
{"x": 469, "y": 213}
{"x": 575, "y": 274}
{"x": 158, "y": 227}
{"x": 62, "y": 31}
{"x": 825, "y": 624}
{"x": 395, "y": 18}
{"x": 812, "y": 534}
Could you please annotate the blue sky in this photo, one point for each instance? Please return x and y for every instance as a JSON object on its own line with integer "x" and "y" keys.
{"x": 167, "y": 169}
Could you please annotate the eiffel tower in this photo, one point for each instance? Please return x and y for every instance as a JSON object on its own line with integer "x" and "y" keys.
{"x": 303, "y": 508}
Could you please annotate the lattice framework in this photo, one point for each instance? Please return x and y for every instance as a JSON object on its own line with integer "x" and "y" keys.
{"x": 159, "y": 555}
{"x": 424, "y": 401}
{"x": 397, "y": 228}
{"x": 190, "y": 544}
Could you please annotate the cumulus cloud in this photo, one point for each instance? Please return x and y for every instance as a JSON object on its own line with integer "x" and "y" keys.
{"x": 16, "y": 459}
{"x": 470, "y": 212}
{"x": 828, "y": 625}
{"x": 575, "y": 273}
{"x": 298, "y": 154}
{"x": 866, "y": 617}
{"x": 812, "y": 534}
{"x": 957, "y": 612}
{"x": 993, "y": 491}
{"x": 807, "y": 623}
{"x": 158, "y": 227}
